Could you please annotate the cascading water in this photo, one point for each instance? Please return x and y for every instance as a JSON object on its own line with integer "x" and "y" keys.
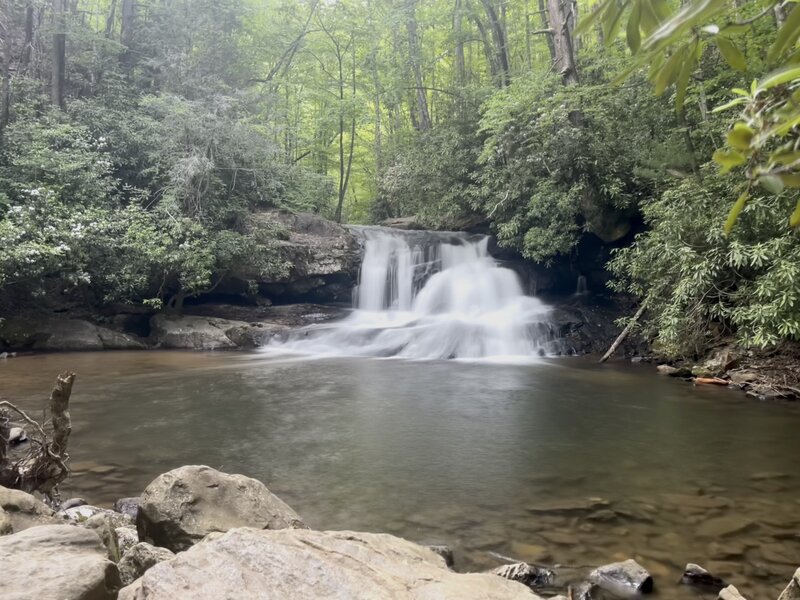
{"x": 424, "y": 295}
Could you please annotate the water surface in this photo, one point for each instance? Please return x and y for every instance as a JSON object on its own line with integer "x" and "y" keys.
{"x": 458, "y": 453}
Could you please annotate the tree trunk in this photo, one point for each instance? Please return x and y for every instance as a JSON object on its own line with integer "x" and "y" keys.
{"x": 422, "y": 113}
{"x": 112, "y": 16}
{"x": 460, "y": 64}
{"x": 624, "y": 334}
{"x": 59, "y": 54}
{"x": 128, "y": 21}
{"x": 562, "y": 25}
{"x": 499, "y": 38}
{"x": 546, "y": 26}
{"x": 5, "y": 87}
{"x": 27, "y": 49}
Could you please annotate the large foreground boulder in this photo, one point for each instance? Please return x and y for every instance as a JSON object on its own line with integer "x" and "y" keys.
{"x": 19, "y": 511}
{"x": 295, "y": 564}
{"x": 792, "y": 591}
{"x": 181, "y": 507}
{"x": 56, "y": 562}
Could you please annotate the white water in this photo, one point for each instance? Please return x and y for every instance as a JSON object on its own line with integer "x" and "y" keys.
{"x": 431, "y": 296}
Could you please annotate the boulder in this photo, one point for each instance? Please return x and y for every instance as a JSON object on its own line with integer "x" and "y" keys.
{"x": 127, "y": 506}
{"x": 626, "y": 578}
{"x": 723, "y": 360}
{"x": 297, "y": 564}
{"x": 23, "y": 511}
{"x": 127, "y": 538}
{"x": 72, "y": 503}
{"x": 730, "y": 593}
{"x": 84, "y": 512}
{"x": 181, "y": 507}
{"x": 138, "y": 559}
{"x": 56, "y": 562}
{"x": 101, "y": 524}
{"x": 792, "y": 591}
{"x": 742, "y": 377}
{"x": 666, "y": 370}
{"x": 190, "y": 332}
{"x": 697, "y": 576}
{"x": 38, "y": 332}
{"x": 528, "y": 575}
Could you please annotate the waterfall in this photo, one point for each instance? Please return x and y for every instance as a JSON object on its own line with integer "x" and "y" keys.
{"x": 431, "y": 295}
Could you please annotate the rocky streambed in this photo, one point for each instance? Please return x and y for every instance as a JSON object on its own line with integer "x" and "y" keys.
{"x": 196, "y": 532}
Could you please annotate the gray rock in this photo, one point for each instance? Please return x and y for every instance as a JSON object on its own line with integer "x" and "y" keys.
{"x": 742, "y": 377}
{"x": 101, "y": 524}
{"x": 626, "y": 578}
{"x": 24, "y": 510}
{"x": 181, "y": 507}
{"x": 5, "y": 523}
{"x": 72, "y": 503}
{"x": 792, "y": 591}
{"x": 666, "y": 370}
{"x": 56, "y": 562}
{"x": 190, "y": 332}
{"x": 139, "y": 559}
{"x": 37, "y": 332}
{"x": 16, "y": 436}
{"x": 80, "y": 514}
{"x": 127, "y": 506}
{"x": 528, "y": 575}
{"x": 730, "y": 593}
{"x": 298, "y": 564}
{"x": 697, "y": 576}
{"x": 127, "y": 538}
{"x": 446, "y": 552}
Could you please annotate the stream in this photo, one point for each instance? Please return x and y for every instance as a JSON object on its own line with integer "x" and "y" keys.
{"x": 484, "y": 457}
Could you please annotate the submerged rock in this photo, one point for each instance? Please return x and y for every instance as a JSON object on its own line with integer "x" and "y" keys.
{"x": 624, "y": 579}
{"x": 573, "y": 505}
{"x": 723, "y": 526}
{"x": 23, "y": 511}
{"x": 56, "y": 562}
{"x": 138, "y": 559}
{"x": 181, "y": 507}
{"x": 298, "y": 564}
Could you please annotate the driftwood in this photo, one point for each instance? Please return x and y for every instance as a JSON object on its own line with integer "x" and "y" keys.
{"x": 624, "y": 334}
{"x": 45, "y": 464}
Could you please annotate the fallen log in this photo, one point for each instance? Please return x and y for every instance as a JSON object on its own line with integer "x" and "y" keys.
{"x": 710, "y": 381}
{"x": 44, "y": 466}
{"x": 624, "y": 334}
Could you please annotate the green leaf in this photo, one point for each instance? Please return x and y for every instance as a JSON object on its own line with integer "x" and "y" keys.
{"x": 728, "y": 159}
{"x": 737, "y": 208}
{"x": 787, "y": 35}
{"x": 586, "y": 23}
{"x": 740, "y": 136}
{"x": 650, "y": 19}
{"x": 670, "y": 71}
{"x": 632, "y": 33}
{"x": 731, "y": 53}
{"x": 687, "y": 17}
{"x": 682, "y": 83}
{"x": 611, "y": 21}
{"x": 778, "y": 77}
{"x": 794, "y": 220}
{"x": 771, "y": 183}
{"x": 730, "y": 104}
{"x": 790, "y": 180}
{"x": 785, "y": 157}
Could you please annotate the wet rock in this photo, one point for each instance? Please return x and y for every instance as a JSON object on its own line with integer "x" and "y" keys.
{"x": 139, "y": 559}
{"x": 730, "y": 593}
{"x": 603, "y": 516}
{"x": 72, "y": 503}
{"x": 696, "y": 502}
{"x": 57, "y": 561}
{"x": 298, "y": 564}
{"x": 528, "y": 575}
{"x": 193, "y": 333}
{"x": 127, "y": 538}
{"x": 16, "y": 436}
{"x": 181, "y": 507}
{"x": 573, "y": 505}
{"x": 792, "y": 591}
{"x": 764, "y": 392}
{"x": 24, "y": 510}
{"x": 127, "y": 506}
{"x": 717, "y": 527}
{"x": 446, "y": 552}
{"x": 625, "y": 578}
{"x": 742, "y": 377}
{"x": 697, "y": 576}
{"x": 674, "y": 371}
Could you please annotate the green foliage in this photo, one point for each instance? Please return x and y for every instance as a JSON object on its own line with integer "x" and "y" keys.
{"x": 700, "y": 283}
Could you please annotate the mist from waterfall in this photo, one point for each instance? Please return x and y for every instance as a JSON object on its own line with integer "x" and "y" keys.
{"x": 427, "y": 295}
